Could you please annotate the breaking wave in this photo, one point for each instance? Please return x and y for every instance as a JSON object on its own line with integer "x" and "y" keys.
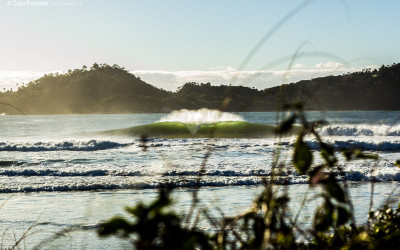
{"x": 371, "y": 145}
{"x": 92, "y": 145}
{"x": 200, "y": 116}
{"x": 360, "y": 130}
{"x": 227, "y": 129}
{"x": 101, "y": 179}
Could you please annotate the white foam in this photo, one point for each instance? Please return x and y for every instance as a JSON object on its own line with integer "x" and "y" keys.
{"x": 360, "y": 130}
{"x": 38, "y": 146}
{"x": 200, "y": 116}
{"x": 348, "y": 143}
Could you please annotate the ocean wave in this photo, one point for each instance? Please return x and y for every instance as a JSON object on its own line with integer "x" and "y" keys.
{"x": 358, "y": 144}
{"x": 179, "y": 130}
{"x": 138, "y": 185}
{"x": 386, "y": 175}
{"x": 360, "y": 130}
{"x": 130, "y": 173}
{"x": 48, "y": 180}
{"x": 243, "y": 129}
{"x": 200, "y": 116}
{"x": 385, "y": 172}
{"x": 92, "y": 145}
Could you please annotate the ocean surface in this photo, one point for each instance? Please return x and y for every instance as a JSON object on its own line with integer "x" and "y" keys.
{"x": 69, "y": 172}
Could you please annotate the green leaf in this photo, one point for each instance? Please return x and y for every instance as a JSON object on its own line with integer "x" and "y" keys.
{"x": 113, "y": 226}
{"x": 368, "y": 156}
{"x": 302, "y": 157}
{"x": 347, "y": 154}
{"x": 328, "y": 148}
{"x": 352, "y": 154}
{"x": 334, "y": 190}
{"x": 330, "y": 159}
{"x": 323, "y": 218}
{"x": 343, "y": 216}
{"x": 286, "y": 125}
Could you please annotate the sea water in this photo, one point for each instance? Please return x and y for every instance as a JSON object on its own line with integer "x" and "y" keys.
{"x": 62, "y": 173}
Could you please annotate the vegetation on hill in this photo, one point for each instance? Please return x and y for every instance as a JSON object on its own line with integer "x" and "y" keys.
{"x": 377, "y": 89}
{"x": 99, "y": 89}
{"x": 112, "y": 89}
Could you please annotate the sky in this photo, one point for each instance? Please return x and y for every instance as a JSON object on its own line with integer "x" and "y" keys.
{"x": 258, "y": 43}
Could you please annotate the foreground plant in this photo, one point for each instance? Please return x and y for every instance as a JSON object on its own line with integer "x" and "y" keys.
{"x": 268, "y": 223}
{"x": 153, "y": 227}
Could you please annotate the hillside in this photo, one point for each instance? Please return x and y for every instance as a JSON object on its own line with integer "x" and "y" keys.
{"x": 366, "y": 90}
{"x": 99, "y": 89}
{"x": 112, "y": 89}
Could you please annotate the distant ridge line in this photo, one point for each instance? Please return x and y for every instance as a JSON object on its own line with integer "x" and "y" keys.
{"x": 112, "y": 89}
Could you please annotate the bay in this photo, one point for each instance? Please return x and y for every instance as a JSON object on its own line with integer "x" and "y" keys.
{"x": 65, "y": 171}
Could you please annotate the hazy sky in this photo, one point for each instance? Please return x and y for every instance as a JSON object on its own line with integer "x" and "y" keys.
{"x": 170, "y": 42}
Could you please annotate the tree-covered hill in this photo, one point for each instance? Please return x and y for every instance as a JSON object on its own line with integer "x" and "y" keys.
{"x": 377, "y": 89}
{"x": 99, "y": 89}
{"x": 112, "y": 89}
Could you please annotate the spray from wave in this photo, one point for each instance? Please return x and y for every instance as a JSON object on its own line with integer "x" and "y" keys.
{"x": 200, "y": 116}
{"x": 193, "y": 119}
{"x": 201, "y": 123}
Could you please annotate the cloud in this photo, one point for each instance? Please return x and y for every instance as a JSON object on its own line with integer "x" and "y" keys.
{"x": 299, "y": 66}
{"x": 260, "y": 79}
{"x": 372, "y": 67}
{"x": 329, "y": 65}
{"x": 10, "y": 79}
{"x": 219, "y": 75}
{"x": 170, "y": 80}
